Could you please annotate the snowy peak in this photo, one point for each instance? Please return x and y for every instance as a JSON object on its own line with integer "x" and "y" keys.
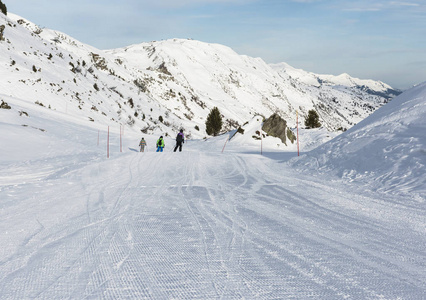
{"x": 343, "y": 80}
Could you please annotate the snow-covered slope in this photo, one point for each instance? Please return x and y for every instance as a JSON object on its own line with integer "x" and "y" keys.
{"x": 386, "y": 151}
{"x": 159, "y": 87}
{"x": 200, "y": 224}
{"x": 53, "y": 70}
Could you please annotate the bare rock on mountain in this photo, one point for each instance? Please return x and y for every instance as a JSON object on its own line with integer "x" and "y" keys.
{"x": 277, "y": 127}
{"x": 2, "y": 27}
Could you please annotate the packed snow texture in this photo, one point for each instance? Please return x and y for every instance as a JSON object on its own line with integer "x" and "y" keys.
{"x": 216, "y": 221}
{"x": 386, "y": 151}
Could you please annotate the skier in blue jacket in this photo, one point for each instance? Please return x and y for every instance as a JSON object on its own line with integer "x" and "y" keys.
{"x": 180, "y": 139}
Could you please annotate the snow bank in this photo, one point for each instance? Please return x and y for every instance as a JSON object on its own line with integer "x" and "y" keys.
{"x": 386, "y": 151}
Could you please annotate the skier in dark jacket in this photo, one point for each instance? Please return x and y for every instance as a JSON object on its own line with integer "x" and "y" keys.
{"x": 180, "y": 139}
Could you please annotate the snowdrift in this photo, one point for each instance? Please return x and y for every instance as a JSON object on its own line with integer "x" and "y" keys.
{"x": 386, "y": 151}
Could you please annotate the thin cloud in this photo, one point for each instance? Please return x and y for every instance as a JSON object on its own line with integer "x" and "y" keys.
{"x": 399, "y": 3}
{"x": 374, "y": 6}
{"x": 363, "y": 9}
{"x": 203, "y": 17}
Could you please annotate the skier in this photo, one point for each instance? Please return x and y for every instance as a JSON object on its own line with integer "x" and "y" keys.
{"x": 142, "y": 144}
{"x": 160, "y": 144}
{"x": 179, "y": 140}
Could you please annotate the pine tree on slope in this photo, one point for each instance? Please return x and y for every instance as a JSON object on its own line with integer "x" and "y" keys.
{"x": 312, "y": 120}
{"x": 214, "y": 122}
{"x": 3, "y": 8}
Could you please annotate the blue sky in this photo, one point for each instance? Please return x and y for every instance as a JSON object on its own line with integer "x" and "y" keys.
{"x": 382, "y": 40}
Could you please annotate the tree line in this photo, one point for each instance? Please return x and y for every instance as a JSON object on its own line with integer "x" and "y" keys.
{"x": 214, "y": 121}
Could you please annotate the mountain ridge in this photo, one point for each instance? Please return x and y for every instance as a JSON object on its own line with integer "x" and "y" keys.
{"x": 178, "y": 80}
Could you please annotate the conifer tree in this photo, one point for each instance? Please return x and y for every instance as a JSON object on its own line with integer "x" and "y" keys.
{"x": 214, "y": 122}
{"x": 3, "y": 8}
{"x": 312, "y": 120}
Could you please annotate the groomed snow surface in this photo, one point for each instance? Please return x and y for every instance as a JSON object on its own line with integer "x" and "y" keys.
{"x": 202, "y": 224}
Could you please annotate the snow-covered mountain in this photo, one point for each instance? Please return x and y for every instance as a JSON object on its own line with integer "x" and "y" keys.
{"x": 164, "y": 85}
{"x": 343, "y": 81}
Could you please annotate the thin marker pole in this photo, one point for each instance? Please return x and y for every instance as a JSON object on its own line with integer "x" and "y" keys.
{"x": 224, "y": 145}
{"x": 297, "y": 125}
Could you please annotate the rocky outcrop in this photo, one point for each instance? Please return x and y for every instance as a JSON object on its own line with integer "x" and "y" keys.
{"x": 2, "y": 27}
{"x": 277, "y": 127}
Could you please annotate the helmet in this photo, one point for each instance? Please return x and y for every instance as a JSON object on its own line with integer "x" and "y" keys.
{"x": 181, "y": 130}
{"x": 161, "y": 137}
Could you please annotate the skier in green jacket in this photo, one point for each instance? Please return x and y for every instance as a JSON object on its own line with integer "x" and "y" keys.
{"x": 160, "y": 144}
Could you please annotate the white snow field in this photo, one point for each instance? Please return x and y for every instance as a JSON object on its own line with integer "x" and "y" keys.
{"x": 202, "y": 224}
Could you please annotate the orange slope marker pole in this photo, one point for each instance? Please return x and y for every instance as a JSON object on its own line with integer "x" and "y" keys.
{"x": 297, "y": 125}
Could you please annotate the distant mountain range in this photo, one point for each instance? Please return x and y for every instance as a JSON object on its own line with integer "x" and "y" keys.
{"x": 162, "y": 86}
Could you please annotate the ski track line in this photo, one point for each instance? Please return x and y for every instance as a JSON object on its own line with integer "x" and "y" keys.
{"x": 119, "y": 271}
{"x": 219, "y": 211}
{"x": 159, "y": 283}
{"x": 200, "y": 224}
{"x": 258, "y": 250}
{"x": 22, "y": 250}
{"x": 259, "y": 289}
{"x": 112, "y": 244}
{"x": 357, "y": 285}
{"x": 371, "y": 295}
{"x": 361, "y": 224}
{"x": 216, "y": 262}
{"x": 215, "y": 216}
{"x": 66, "y": 237}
